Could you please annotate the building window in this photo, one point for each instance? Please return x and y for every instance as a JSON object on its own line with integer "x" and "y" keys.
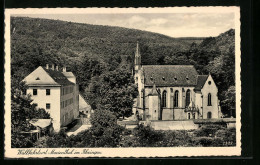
{"x": 193, "y": 116}
{"x": 188, "y": 98}
{"x": 209, "y": 115}
{"x": 176, "y": 98}
{"x": 171, "y": 90}
{"x": 209, "y": 82}
{"x": 48, "y": 106}
{"x": 34, "y": 91}
{"x": 188, "y": 115}
{"x": 164, "y": 94}
{"x": 209, "y": 100}
{"x": 48, "y": 92}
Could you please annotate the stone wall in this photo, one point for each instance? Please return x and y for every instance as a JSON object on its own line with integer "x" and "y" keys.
{"x": 174, "y": 125}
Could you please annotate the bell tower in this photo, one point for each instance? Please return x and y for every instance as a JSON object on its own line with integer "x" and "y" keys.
{"x": 137, "y": 65}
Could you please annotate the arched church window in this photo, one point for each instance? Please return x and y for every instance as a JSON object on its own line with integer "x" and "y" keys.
{"x": 209, "y": 100}
{"x": 164, "y": 94}
{"x": 209, "y": 115}
{"x": 188, "y": 97}
{"x": 188, "y": 115}
{"x": 176, "y": 98}
{"x": 193, "y": 115}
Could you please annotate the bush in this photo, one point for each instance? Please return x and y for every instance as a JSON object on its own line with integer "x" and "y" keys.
{"x": 41, "y": 143}
{"x": 208, "y": 130}
{"x": 176, "y": 138}
{"x": 83, "y": 139}
{"x": 203, "y": 141}
{"x": 228, "y": 135}
{"x": 57, "y": 140}
{"x": 129, "y": 141}
{"x": 208, "y": 141}
{"x": 20, "y": 141}
{"x": 147, "y": 136}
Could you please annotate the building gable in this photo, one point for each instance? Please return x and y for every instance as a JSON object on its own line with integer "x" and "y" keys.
{"x": 209, "y": 84}
{"x": 40, "y": 77}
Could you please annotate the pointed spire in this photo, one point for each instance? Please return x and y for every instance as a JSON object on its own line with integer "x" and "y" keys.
{"x": 137, "y": 57}
{"x": 137, "y": 53}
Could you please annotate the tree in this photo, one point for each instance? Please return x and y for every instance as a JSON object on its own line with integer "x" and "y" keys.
{"x": 86, "y": 69}
{"x": 229, "y": 101}
{"x": 114, "y": 91}
{"x": 21, "y": 112}
{"x": 104, "y": 129}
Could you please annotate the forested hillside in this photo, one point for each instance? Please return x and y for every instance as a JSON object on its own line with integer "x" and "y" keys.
{"x": 90, "y": 50}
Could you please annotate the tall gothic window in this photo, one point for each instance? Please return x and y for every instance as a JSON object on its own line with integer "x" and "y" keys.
{"x": 188, "y": 97}
{"x": 209, "y": 100}
{"x": 164, "y": 98}
{"x": 176, "y": 98}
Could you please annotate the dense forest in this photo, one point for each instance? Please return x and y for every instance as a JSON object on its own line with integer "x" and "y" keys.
{"x": 91, "y": 50}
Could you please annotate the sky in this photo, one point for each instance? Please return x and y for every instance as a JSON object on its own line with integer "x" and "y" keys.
{"x": 170, "y": 24}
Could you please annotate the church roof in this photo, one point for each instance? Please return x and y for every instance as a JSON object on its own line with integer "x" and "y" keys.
{"x": 58, "y": 77}
{"x": 201, "y": 81}
{"x": 170, "y": 75}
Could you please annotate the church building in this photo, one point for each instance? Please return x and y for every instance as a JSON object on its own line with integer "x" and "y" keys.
{"x": 174, "y": 92}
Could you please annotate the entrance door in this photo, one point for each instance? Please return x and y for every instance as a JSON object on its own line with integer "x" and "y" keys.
{"x": 209, "y": 115}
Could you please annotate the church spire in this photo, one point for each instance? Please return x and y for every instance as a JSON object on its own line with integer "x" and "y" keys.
{"x": 137, "y": 55}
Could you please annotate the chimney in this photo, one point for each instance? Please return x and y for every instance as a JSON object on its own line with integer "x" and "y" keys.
{"x": 64, "y": 69}
{"x": 52, "y": 66}
{"x": 47, "y": 66}
{"x": 57, "y": 67}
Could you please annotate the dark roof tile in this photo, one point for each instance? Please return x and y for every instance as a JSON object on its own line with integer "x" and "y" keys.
{"x": 201, "y": 81}
{"x": 58, "y": 77}
{"x": 170, "y": 75}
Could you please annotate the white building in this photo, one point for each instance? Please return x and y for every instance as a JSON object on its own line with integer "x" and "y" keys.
{"x": 56, "y": 91}
{"x": 174, "y": 92}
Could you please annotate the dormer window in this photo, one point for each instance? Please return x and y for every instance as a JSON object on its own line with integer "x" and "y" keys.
{"x": 37, "y": 78}
{"x": 187, "y": 78}
{"x": 163, "y": 78}
{"x": 175, "y": 78}
{"x": 151, "y": 78}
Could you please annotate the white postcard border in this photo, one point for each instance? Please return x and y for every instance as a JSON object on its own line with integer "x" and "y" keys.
{"x": 120, "y": 152}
